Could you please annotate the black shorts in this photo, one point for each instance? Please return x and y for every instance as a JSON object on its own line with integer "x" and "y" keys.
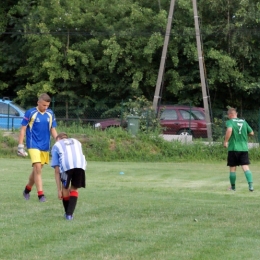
{"x": 76, "y": 177}
{"x": 237, "y": 158}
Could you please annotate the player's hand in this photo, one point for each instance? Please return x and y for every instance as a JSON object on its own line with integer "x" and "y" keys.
{"x": 60, "y": 195}
{"x": 21, "y": 151}
{"x": 225, "y": 144}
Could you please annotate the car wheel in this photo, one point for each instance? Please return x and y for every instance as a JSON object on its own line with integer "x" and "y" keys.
{"x": 184, "y": 132}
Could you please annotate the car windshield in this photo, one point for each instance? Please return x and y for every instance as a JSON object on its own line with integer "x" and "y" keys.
{"x": 19, "y": 107}
{"x": 198, "y": 114}
{"x": 191, "y": 114}
{"x": 10, "y": 109}
{"x": 186, "y": 114}
{"x": 169, "y": 114}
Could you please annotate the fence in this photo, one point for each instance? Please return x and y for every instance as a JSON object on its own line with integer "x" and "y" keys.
{"x": 85, "y": 113}
{"x": 220, "y": 118}
{"x": 82, "y": 114}
{"x": 90, "y": 115}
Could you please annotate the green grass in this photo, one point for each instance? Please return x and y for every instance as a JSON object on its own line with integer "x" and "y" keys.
{"x": 147, "y": 213}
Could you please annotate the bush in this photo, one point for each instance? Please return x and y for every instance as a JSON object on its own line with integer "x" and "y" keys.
{"x": 116, "y": 144}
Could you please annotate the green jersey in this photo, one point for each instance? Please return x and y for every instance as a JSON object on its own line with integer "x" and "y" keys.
{"x": 239, "y": 138}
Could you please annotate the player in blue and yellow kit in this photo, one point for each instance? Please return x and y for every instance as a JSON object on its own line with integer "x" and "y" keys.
{"x": 38, "y": 125}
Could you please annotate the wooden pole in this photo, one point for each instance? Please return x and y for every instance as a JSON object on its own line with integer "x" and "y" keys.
{"x": 163, "y": 57}
{"x": 202, "y": 72}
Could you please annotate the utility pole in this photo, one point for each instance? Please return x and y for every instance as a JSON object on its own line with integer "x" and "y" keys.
{"x": 163, "y": 57}
{"x": 202, "y": 72}
{"x": 201, "y": 62}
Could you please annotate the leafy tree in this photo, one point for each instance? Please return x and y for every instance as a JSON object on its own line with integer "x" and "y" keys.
{"x": 10, "y": 47}
{"x": 93, "y": 53}
{"x": 231, "y": 50}
{"x": 107, "y": 53}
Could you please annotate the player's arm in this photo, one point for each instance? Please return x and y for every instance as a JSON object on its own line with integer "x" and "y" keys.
{"x": 251, "y": 133}
{"x": 227, "y": 136}
{"x": 22, "y": 134}
{"x": 250, "y": 130}
{"x": 54, "y": 132}
{"x": 20, "y": 148}
{"x": 24, "y": 124}
{"x": 58, "y": 181}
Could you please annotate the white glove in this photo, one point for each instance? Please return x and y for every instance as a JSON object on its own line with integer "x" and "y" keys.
{"x": 21, "y": 151}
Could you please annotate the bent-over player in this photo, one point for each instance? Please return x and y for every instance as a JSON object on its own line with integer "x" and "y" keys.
{"x": 69, "y": 163}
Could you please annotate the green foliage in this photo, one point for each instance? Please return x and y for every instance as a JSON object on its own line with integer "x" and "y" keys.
{"x": 8, "y": 147}
{"x": 73, "y": 57}
{"x": 94, "y": 52}
{"x": 218, "y": 129}
{"x": 116, "y": 144}
{"x": 141, "y": 107}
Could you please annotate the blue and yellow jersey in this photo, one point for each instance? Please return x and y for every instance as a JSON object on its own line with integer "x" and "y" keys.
{"x": 38, "y": 128}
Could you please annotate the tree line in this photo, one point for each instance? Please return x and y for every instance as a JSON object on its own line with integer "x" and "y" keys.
{"x": 90, "y": 52}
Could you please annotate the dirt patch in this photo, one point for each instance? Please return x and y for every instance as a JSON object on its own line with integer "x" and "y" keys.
{"x": 112, "y": 145}
{"x": 14, "y": 135}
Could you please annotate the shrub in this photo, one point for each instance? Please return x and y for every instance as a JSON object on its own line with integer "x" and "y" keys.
{"x": 116, "y": 144}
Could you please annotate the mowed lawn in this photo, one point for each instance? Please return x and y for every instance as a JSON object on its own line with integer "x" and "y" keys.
{"x": 152, "y": 211}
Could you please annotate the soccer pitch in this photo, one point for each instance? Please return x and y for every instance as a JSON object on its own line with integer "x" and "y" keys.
{"x": 152, "y": 211}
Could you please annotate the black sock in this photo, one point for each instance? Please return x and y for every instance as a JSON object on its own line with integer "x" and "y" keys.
{"x": 72, "y": 205}
{"x": 65, "y": 205}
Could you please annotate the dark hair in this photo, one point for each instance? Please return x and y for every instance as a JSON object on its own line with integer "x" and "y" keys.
{"x": 45, "y": 97}
{"x": 61, "y": 135}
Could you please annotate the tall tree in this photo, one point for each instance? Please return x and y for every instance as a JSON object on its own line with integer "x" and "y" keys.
{"x": 10, "y": 46}
{"x": 89, "y": 49}
{"x": 231, "y": 50}
{"x": 93, "y": 52}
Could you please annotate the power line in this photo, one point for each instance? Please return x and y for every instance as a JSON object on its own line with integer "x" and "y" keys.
{"x": 205, "y": 33}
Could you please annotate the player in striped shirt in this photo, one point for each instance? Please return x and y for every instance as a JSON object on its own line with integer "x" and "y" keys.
{"x": 69, "y": 163}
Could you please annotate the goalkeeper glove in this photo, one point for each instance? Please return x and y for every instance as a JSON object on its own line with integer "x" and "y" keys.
{"x": 21, "y": 151}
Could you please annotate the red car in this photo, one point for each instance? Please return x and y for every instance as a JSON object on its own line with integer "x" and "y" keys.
{"x": 174, "y": 119}
{"x": 183, "y": 120}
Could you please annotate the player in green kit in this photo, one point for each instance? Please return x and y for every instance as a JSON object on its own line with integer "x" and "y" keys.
{"x": 236, "y": 140}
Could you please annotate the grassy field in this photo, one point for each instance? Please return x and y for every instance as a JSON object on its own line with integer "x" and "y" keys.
{"x": 152, "y": 211}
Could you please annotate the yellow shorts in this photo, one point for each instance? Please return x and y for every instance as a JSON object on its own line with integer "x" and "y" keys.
{"x": 39, "y": 156}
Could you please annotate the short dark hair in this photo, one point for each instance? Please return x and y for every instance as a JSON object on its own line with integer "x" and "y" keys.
{"x": 61, "y": 135}
{"x": 45, "y": 97}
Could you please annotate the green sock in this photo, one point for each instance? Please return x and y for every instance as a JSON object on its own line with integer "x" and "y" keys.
{"x": 249, "y": 177}
{"x": 232, "y": 178}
